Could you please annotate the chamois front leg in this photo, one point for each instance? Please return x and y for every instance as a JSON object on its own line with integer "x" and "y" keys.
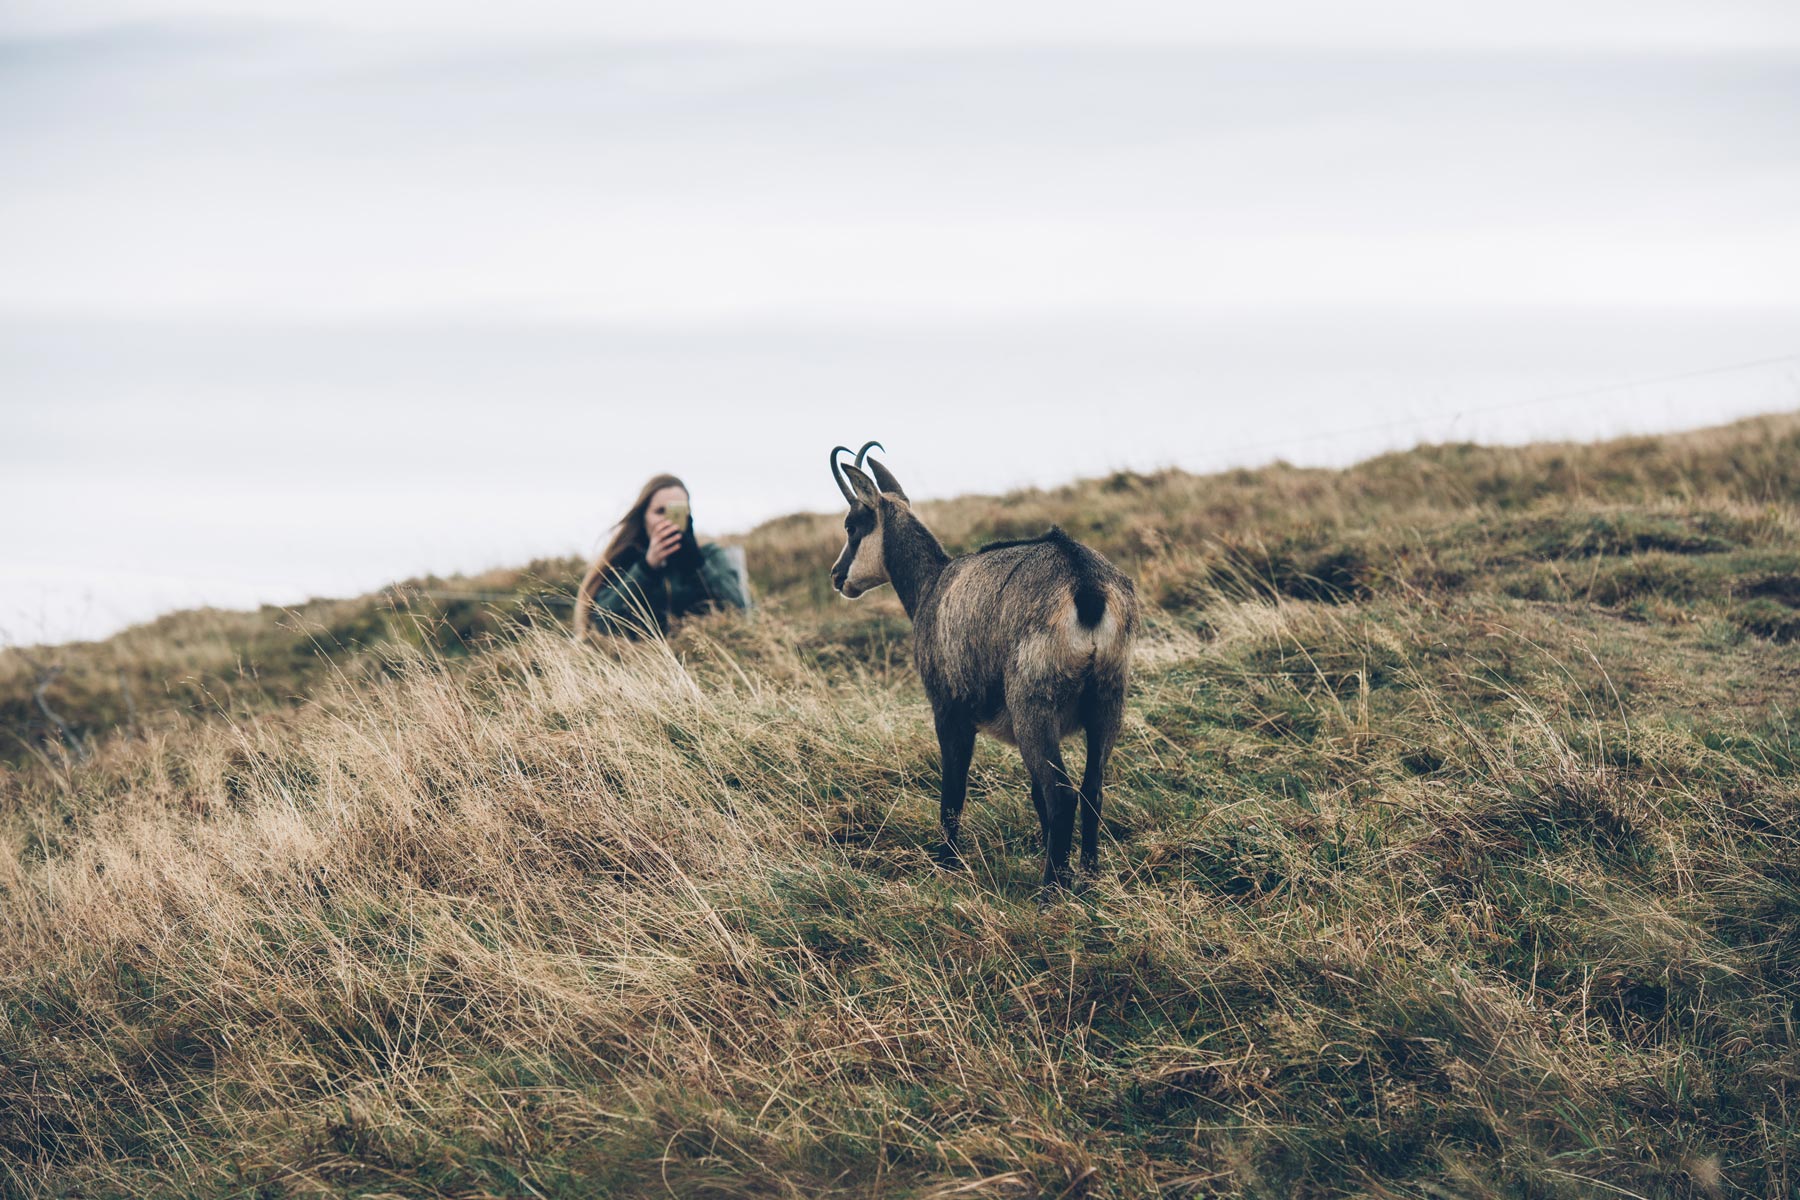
{"x": 956, "y": 745}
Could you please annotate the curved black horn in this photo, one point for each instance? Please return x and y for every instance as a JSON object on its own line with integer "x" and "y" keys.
{"x": 843, "y": 487}
{"x": 864, "y": 452}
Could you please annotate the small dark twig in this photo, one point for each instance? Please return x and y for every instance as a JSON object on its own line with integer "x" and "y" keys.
{"x": 131, "y": 713}
{"x": 45, "y": 677}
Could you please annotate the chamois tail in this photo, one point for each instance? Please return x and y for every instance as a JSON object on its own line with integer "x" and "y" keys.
{"x": 1090, "y": 597}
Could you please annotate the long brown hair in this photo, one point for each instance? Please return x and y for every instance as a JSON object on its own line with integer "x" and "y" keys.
{"x": 628, "y": 534}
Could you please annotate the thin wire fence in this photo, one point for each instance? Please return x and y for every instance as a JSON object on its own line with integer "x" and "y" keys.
{"x": 483, "y": 597}
{"x": 1511, "y": 405}
{"x": 1352, "y": 431}
{"x": 557, "y": 600}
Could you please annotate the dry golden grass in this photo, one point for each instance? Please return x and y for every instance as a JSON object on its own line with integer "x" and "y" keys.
{"x": 1454, "y": 850}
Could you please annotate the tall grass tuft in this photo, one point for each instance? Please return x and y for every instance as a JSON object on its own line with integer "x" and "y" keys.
{"x": 1456, "y": 853}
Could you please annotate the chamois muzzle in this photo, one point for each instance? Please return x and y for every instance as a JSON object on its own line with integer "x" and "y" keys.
{"x": 840, "y": 571}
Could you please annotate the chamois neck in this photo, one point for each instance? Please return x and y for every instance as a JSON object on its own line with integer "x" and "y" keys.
{"x": 912, "y": 554}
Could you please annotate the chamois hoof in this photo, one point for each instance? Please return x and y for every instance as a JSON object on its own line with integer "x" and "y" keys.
{"x": 948, "y": 859}
{"x": 1059, "y": 885}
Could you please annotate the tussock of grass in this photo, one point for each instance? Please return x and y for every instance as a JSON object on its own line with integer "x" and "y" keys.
{"x": 1453, "y": 851}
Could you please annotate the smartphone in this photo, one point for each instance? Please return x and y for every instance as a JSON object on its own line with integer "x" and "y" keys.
{"x": 677, "y": 515}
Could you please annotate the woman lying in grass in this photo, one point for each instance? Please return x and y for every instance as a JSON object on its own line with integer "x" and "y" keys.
{"x": 654, "y": 569}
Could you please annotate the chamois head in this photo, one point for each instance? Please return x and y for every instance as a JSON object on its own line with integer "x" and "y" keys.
{"x": 861, "y": 566}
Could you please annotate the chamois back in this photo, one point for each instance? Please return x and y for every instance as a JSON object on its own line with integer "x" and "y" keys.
{"x": 1084, "y": 564}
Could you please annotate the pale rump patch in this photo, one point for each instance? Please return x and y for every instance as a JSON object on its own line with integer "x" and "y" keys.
{"x": 1069, "y": 647}
{"x": 1099, "y": 640}
{"x": 1066, "y": 650}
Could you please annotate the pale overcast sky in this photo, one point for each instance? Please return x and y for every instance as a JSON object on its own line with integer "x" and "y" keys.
{"x": 301, "y": 298}
{"x": 1682, "y": 25}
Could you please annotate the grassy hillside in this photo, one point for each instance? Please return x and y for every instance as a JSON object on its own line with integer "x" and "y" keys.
{"x": 1453, "y": 850}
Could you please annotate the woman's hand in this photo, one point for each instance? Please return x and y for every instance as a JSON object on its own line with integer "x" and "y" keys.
{"x": 665, "y": 539}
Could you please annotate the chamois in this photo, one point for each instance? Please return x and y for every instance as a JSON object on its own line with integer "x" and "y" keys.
{"x": 1026, "y": 640}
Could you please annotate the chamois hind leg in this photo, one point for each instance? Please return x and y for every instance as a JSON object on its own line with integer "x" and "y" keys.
{"x": 956, "y": 745}
{"x": 1037, "y": 802}
{"x": 1101, "y": 715}
{"x": 1050, "y": 779}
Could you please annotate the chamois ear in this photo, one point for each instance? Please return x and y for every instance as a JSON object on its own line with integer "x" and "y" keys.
{"x": 866, "y": 491}
{"x": 886, "y": 479}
